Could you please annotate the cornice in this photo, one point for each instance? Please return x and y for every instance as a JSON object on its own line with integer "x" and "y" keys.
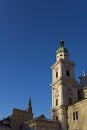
{"x": 63, "y": 81}
{"x": 58, "y": 107}
{"x": 63, "y": 61}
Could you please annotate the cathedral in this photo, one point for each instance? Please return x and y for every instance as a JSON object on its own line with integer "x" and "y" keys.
{"x": 69, "y": 101}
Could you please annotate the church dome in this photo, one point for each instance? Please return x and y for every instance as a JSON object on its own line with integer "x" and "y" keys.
{"x": 62, "y": 48}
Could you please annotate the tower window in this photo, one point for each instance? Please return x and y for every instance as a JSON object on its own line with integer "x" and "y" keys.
{"x": 67, "y": 73}
{"x": 57, "y": 74}
{"x": 76, "y": 115}
{"x": 56, "y": 102}
{"x": 73, "y": 115}
{"x": 56, "y": 118}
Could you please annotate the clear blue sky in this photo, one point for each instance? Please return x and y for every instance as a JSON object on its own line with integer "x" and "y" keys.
{"x": 30, "y": 31}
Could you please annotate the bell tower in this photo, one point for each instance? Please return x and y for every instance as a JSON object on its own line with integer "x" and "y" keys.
{"x": 64, "y": 86}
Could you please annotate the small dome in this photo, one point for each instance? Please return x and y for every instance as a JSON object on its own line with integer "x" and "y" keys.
{"x": 62, "y": 48}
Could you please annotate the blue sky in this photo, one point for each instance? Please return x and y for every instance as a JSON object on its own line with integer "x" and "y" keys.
{"x": 30, "y": 31}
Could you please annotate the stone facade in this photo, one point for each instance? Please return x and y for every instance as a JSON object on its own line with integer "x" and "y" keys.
{"x": 69, "y": 101}
{"x": 19, "y": 117}
{"x": 41, "y": 123}
{"x": 5, "y": 124}
{"x": 77, "y": 117}
{"x": 64, "y": 86}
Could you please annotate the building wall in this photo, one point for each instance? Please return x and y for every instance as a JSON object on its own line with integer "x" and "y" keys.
{"x": 64, "y": 90}
{"x": 82, "y": 93}
{"x": 19, "y": 117}
{"x": 77, "y": 121}
{"x": 41, "y": 125}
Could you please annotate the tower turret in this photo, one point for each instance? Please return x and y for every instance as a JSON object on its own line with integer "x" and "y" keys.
{"x": 62, "y": 52}
{"x": 64, "y": 86}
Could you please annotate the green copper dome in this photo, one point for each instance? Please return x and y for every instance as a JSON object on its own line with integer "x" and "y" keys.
{"x": 62, "y": 48}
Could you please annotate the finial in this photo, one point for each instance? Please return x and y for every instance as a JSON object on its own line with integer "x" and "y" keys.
{"x": 61, "y": 43}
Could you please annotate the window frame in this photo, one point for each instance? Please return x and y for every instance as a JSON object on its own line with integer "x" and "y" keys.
{"x": 75, "y": 116}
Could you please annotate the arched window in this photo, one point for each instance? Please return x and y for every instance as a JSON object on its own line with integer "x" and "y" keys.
{"x": 67, "y": 73}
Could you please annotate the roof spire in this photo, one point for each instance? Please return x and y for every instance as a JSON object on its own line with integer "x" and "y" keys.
{"x": 29, "y": 105}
